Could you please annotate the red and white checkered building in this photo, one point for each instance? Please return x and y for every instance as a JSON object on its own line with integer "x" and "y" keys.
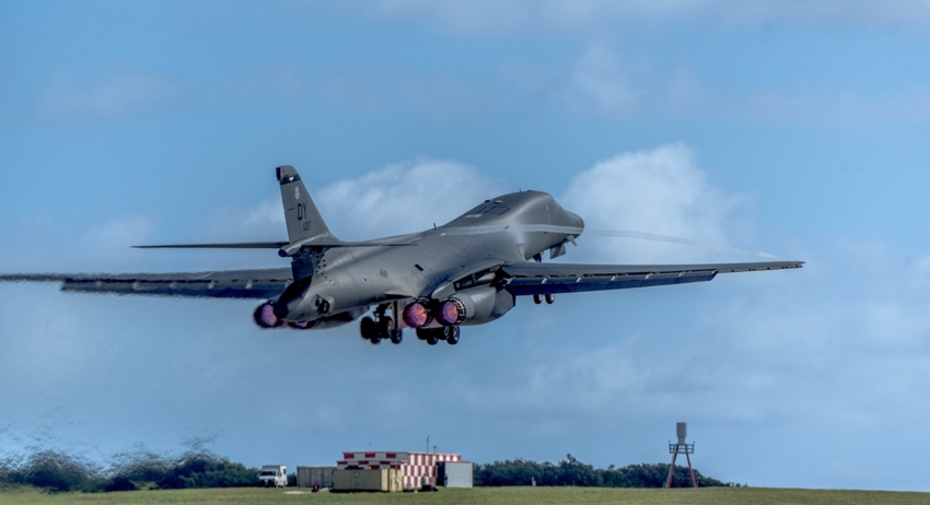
{"x": 416, "y": 467}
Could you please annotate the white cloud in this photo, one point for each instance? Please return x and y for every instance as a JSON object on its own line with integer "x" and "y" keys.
{"x": 506, "y": 16}
{"x": 599, "y": 84}
{"x": 109, "y": 245}
{"x": 400, "y": 198}
{"x": 114, "y": 95}
{"x": 403, "y": 197}
{"x": 269, "y": 214}
{"x": 835, "y": 107}
{"x": 371, "y": 89}
{"x": 604, "y": 81}
{"x": 42, "y": 245}
{"x": 662, "y": 191}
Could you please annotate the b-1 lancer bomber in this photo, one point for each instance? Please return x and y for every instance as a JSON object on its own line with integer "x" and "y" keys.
{"x": 469, "y": 271}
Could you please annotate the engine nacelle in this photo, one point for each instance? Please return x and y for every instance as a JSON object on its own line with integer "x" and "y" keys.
{"x": 474, "y": 306}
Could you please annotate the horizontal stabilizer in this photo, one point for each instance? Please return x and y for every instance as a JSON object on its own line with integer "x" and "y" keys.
{"x": 233, "y": 245}
{"x": 292, "y": 249}
{"x": 286, "y": 248}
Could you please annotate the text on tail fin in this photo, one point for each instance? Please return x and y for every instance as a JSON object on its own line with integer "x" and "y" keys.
{"x": 300, "y": 213}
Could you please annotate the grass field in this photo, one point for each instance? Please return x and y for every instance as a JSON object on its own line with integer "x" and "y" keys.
{"x": 489, "y": 496}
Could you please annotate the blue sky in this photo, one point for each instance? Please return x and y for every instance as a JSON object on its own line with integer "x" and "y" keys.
{"x": 794, "y": 128}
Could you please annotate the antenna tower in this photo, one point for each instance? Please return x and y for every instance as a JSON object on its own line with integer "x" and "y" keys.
{"x": 681, "y": 447}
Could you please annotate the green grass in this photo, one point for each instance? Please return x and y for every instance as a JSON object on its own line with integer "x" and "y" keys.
{"x": 489, "y": 496}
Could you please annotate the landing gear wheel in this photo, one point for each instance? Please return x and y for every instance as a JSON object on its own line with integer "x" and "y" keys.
{"x": 431, "y": 339}
{"x": 452, "y": 335}
{"x": 423, "y": 333}
{"x": 537, "y": 299}
{"x": 550, "y": 298}
{"x": 368, "y": 328}
{"x": 397, "y": 336}
{"x": 385, "y": 327}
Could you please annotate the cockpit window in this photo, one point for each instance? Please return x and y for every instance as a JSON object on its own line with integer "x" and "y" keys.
{"x": 489, "y": 208}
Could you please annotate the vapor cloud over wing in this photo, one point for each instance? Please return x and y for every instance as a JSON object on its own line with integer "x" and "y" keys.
{"x": 661, "y": 191}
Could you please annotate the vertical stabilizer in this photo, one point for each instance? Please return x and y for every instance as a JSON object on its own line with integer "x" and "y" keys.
{"x": 301, "y": 215}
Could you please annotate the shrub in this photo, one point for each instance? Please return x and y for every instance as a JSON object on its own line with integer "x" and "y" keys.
{"x": 120, "y": 484}
{"x": 53, "y": 471}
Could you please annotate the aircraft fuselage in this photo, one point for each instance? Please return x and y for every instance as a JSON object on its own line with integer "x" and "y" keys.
{"x": 512, "y": 227}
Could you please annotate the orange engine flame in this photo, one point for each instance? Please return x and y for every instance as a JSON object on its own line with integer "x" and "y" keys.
{"x": 416, "y": 315}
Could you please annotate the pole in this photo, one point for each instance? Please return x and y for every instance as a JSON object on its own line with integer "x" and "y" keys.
{"x": 690, "y": 469}
{"x": 671, "y": 469}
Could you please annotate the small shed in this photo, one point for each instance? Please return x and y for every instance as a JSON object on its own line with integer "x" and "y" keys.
{"x": 310, "y": 476}
{"x": 455, "y": 474}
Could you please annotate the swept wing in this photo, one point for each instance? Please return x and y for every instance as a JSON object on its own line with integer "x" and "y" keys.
{"x": 533, "y": 278}
{"x": 260, "y": 284}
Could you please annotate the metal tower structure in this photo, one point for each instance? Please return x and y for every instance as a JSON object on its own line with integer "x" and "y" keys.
{"x": 681, "y": 447}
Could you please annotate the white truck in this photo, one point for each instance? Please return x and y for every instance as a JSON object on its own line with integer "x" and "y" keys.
{"x": 273, "y": 475}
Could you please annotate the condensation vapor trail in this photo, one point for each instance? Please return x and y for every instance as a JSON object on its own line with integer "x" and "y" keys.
{"x": 675, "y": 240}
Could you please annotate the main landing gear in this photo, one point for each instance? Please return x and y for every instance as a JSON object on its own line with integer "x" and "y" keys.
{"x": 381, "y": 327}
{"x": 432, "y": 336}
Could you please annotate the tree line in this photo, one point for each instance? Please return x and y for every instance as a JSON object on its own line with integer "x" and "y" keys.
{"x": 58, "y": 471}
{"x": 571, "y": 472}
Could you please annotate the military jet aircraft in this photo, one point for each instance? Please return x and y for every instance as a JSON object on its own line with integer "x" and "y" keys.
{"x": 469, "y": 271}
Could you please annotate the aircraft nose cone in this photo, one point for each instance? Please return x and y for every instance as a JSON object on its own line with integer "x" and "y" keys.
{"x": 576, "y": 220}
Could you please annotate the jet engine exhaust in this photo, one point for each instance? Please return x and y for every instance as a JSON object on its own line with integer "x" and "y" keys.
{"x": 264, "y": 316}
{"x": 451, "y": 312}
{"x": 416, "y": 315}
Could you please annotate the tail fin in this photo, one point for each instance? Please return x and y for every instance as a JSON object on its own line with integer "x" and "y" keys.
{"x": 301, "y": 215}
